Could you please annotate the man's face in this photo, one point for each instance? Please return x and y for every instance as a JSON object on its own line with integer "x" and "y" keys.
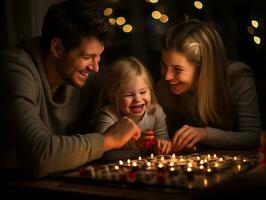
{"x": 75, "y": 65}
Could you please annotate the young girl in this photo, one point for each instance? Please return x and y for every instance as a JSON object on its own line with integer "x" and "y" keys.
{"x": 128, "y": 91}
{"x": 207, "y": 100}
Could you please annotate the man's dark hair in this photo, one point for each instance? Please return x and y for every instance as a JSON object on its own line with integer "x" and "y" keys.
{"x": 72, "y": 20}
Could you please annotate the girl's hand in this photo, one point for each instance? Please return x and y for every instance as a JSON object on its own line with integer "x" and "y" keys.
{"x": 163, "y": 146}
{"x": 146, "y": 140}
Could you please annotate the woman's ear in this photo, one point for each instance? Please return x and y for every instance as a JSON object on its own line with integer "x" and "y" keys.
{"x": 57, "y": 48}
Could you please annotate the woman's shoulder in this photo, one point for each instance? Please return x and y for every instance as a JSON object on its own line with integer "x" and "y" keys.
{"x": 241, "y": 79}
{"x": 239, "y": 72}
{"x": 238, "y": 68}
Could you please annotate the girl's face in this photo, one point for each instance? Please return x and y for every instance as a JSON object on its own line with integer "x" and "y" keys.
{"x": 178, "y": 72}
{"x": 135, "y": 98}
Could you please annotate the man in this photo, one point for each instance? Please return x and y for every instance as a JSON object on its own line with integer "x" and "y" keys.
{"x": 47, "y": 86}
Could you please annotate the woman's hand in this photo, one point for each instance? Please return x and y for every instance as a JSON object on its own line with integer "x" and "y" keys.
{"x": 163, "y": 146}
{"x": 186, "y": 138}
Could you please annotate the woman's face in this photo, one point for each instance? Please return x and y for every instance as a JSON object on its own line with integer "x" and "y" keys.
{"x": 178, "y": 72}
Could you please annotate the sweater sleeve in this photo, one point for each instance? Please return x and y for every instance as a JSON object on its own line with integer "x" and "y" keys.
{"x": 106, "y": 118}
{"x": 248, "y": 120}
{"x": 39, "y": 151}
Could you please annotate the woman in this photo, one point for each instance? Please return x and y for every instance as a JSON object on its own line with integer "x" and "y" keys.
{"x": 207, "y": 100}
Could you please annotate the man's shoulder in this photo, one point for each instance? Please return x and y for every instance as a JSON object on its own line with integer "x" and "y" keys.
{"x": 15, "y": 54}
{"x": 20, "y": 54}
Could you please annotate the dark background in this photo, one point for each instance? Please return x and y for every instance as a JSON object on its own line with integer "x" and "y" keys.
{"x": 23, "y": 18}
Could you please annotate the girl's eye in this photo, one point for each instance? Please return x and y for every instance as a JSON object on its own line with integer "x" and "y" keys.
{"x": 143, "y": 92}
{"x": 127, "y": 95}
{"x": 177, "y": 71}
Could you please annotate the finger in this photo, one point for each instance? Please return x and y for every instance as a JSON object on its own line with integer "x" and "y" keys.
{"x": 164, "y": 147}
{"x": 159, "y": 146}
{"x": 187, "y": 139}
{"x": 184, "y": 139}
{"x": 136, "y": 135}
{"x": 168, "y": 148}
{"x": 177, "y": 135}
{"x": 136, "y": 132}
{"x": 178, "y": 145}
{"x": 193, "y": 149}
{"x": 192, "y": 143}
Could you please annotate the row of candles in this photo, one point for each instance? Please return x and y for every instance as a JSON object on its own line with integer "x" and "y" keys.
{"x": 206, "y": 163}
{"x": 170, "y": 170}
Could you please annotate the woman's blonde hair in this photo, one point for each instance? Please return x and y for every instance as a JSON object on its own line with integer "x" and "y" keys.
{"x": 120, "y": 73}
{"x": 203, "y": 46}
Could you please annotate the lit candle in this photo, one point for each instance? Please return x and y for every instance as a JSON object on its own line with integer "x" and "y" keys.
{"x": 121, "y": 162}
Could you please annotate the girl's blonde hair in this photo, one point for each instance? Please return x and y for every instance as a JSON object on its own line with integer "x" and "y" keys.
{"x": 120, "y": 73}
{"x": 203, "y": 46}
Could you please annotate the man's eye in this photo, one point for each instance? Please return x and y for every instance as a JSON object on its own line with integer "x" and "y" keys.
{"x": 86, "y": 57}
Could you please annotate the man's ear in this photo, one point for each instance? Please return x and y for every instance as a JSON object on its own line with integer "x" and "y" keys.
{"x": 57, "y": 48}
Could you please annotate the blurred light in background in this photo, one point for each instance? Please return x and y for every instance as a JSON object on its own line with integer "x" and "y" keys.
{"x": 257, "y": 39}
{"x": 198, "y": 5}
{"x": 255, "y": 23}
{"x": 120, "y": 21}
{"x": 156, "y": 14}
{"x": 107, "y": 11}
{"x": 127, "y": 28}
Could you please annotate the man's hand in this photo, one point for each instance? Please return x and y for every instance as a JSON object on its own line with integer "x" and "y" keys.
{"x": 186, "y": 138}
{"x": 120, "y": 133}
